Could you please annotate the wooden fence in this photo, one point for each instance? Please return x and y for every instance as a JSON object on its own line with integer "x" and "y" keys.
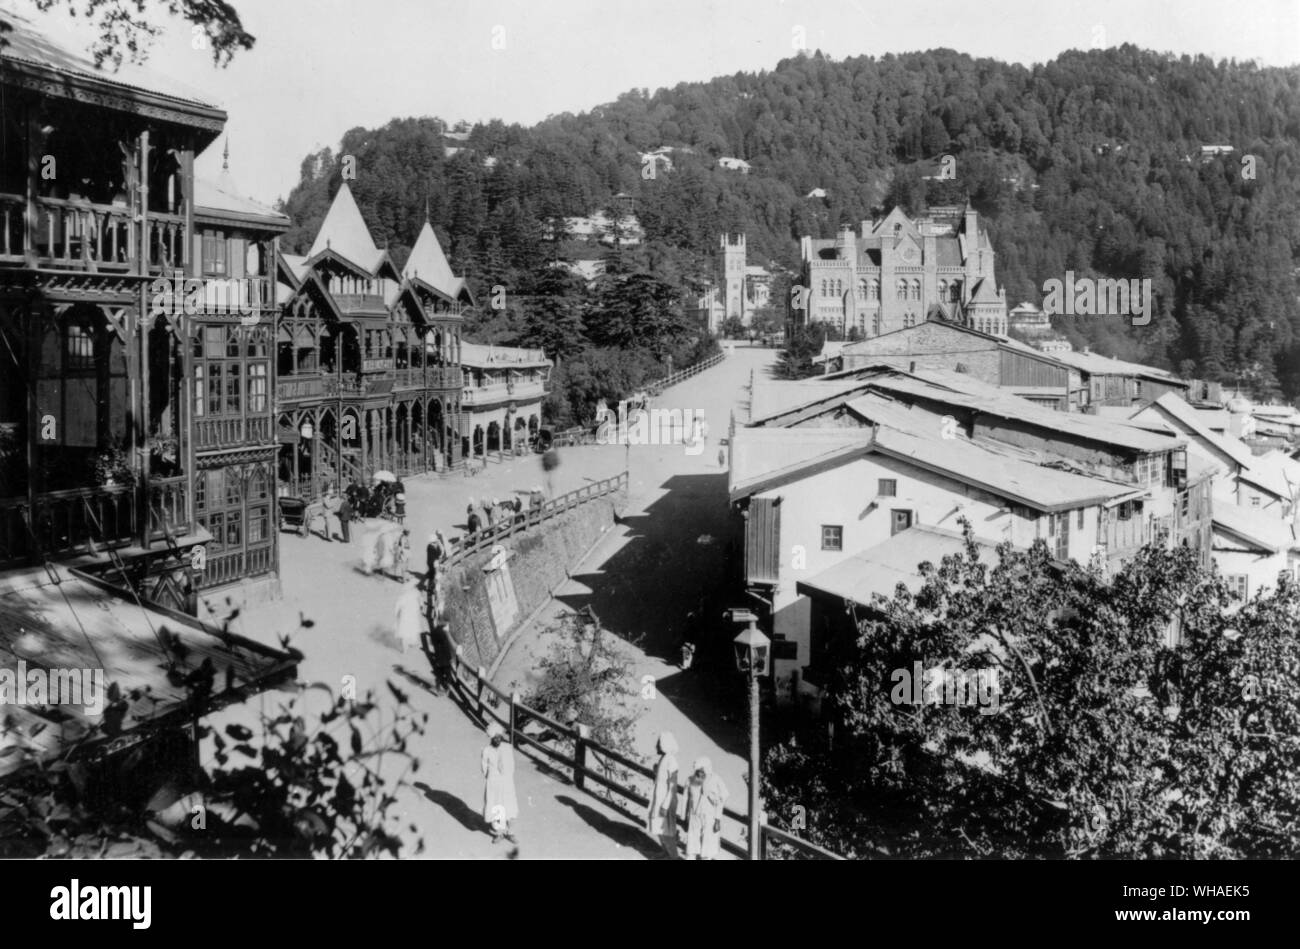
{"x": 592, "y": 766}
{"x": 655, "y": 388}
{"x": 511, "y": 524}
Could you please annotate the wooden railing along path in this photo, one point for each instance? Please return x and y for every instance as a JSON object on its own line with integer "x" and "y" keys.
{"x": 614, "y": 772}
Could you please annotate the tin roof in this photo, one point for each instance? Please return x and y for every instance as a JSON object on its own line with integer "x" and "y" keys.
{"x": 66, "y": 620}
{"x": 27, "y": 45}
{"x": 878, "y": 570}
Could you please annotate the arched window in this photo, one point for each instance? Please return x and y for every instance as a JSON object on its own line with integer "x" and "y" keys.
{"x": 826, "y": 288}
{"x": 875, "y": 288}
{"x": 916, "y": 289}
{"x": 902, "y": 288}
{"x": 956, "y": 291}
{"x": 862, "y": 288}
{"x": 943, "y": 289}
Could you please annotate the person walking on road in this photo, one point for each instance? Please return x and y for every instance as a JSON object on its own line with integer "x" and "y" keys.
{"x": 706, "y": 794}
{"x": 345, "y": 519}
{"x": 661, "y": 815}
{"x": 500, "y": 805}
{"x": 408, "y": 616}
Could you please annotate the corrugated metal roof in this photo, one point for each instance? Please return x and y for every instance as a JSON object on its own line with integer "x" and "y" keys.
{"x": 759, "y": 454}
{"x": 962, "y": 390}
{"x": 1035, "y": 486}
{"x": 1109, "y": 366}
{"x": 1175, "y": 408}
{"x": 42, "y": 623}
{"x": 1267, "y": 532}
{"x": 223, "y": 195}
{"x": 878, "y": 570}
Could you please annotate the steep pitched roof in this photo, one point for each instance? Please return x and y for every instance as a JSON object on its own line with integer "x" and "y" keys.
{"x": 223, "y": 197}
{"x": 429, "y": 265}
{"x": 344, "y": 233}
{"x": 1175, "y": 408}
{"x": 1258, "y": 529}
{"x": 984, "y": 292}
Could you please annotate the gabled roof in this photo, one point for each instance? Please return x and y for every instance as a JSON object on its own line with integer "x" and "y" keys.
{"x": 983, "y": 292}
{"x": 878, "y": 570}
{"x": 1259, "y": 530}
{"x": 1185, "y": 417}
{"x": 344, "y": 235}
{"x": 1034, "y": 486}
{"x": 221, "y": 197}
{"x": 863, "y": 346}
{"x": 428, "y": 265}
{"x": 964, "y": 391}
{"x": 770, "y": 398}
{"x": 1094, "y": 364}
{"x": 762, "y": 458}
{"x": 765, "y": 458}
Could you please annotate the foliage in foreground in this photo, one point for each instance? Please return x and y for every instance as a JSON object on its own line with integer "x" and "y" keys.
{"x": 1108, "y": 742}
{"x": 309, "y": 785}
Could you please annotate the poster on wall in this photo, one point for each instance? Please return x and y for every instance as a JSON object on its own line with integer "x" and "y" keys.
{"x": 501, "y": 591}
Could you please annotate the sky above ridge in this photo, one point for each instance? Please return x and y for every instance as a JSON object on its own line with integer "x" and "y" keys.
{"x": 321, "y": 67}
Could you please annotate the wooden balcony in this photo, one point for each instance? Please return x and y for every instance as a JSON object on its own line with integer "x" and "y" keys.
{"x": 522, "y": 391}
{"x": 216, "y": 433}
{"x": 64, "y": 523}
{"x": 81, "y": 235}
{"x": 371, "y": 304}
{"x": 300, "y": 388}
{"x": 169, "y": 507}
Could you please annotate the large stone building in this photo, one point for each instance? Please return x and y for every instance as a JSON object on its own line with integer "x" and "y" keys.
{"x": 898, "y": 272}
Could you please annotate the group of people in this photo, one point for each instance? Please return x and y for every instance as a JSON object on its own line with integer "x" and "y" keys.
{"x": 706, "y": 795}
{"x": 496, "y": 511}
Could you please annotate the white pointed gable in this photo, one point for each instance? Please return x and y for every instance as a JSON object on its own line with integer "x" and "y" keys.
{"x": 428, "y": 263}
{"x": 344, "y": 232}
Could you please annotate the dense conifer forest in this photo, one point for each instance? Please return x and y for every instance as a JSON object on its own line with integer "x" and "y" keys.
{"x": 1092, "y": 162}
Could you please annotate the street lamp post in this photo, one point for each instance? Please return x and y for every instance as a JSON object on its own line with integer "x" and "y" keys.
{"x": 752, "y": 655}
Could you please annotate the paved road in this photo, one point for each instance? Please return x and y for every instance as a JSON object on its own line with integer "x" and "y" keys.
{"x": 647, "y": 574}
{"x": 643, "y": 578}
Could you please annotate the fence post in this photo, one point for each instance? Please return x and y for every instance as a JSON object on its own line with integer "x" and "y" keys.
{"x": 478, "y": 695}
{"x": 514, "y": 706}
{"x": 580, "y": 757}
{"x": 460, "y": 661}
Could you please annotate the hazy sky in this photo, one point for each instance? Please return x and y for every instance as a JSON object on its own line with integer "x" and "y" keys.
{"x": 321, "y": 67}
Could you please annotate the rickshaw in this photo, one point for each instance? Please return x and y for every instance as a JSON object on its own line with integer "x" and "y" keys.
{"x": 293, "y": 515}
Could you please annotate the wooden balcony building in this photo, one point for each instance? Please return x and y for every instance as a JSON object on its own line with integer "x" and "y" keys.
{"x": 367, "y": 358}
{"x": 98, "y": 205}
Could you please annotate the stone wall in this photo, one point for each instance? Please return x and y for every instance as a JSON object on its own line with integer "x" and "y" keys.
{"x": 485, "y": 606}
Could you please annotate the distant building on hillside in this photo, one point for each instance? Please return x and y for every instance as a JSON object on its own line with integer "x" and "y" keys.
{"x": 899, "y": 272}
{"x": 734, "y": 164}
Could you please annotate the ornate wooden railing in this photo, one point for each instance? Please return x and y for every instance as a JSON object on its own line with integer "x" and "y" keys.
{"x": 65, "y": 522}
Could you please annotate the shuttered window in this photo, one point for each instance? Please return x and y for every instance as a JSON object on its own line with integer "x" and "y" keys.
{"x": 763, "y": 541}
